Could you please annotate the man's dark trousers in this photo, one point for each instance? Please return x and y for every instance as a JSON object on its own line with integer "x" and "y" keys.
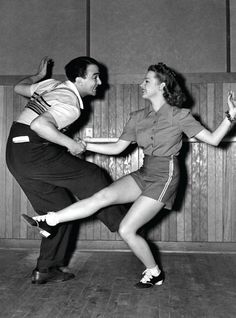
{"x": 49, "y": 175}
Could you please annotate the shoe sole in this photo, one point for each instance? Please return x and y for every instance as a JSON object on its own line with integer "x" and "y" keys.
{"x": 149, "y": 286}
{"x": 50, "y": 281}
{"x": 31, "y": 222}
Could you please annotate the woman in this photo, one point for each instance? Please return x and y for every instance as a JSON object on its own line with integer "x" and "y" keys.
{"x": 158, "y": 130}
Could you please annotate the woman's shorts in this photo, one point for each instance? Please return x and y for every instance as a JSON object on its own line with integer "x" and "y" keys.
{"x": 158, "y": 179}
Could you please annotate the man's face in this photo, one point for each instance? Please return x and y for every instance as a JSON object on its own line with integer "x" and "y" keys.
{"x": 89, "y": 84}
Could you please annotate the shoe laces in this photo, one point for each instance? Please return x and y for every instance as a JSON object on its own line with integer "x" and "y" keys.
{"x": 147, "y": 276}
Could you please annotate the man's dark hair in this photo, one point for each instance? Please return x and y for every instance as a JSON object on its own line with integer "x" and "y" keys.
{"x": 78, "y": 67}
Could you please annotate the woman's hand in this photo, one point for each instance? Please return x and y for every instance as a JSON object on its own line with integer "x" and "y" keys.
{"x": 232, "y": 105}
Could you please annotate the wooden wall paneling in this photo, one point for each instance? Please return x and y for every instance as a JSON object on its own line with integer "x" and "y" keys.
{"x": 89, "y": 228}
{"x": 232, "y": 86}
{"x": 164, "y": 226}
{"x": 173, "y": 226}
{"x": 219, "y": 193}
{"x": 180, "y": 224}
{"x": 23, "y": 209}
{"x": 203, "y": 186}
{"x": 188, "y": 197}
{"x": 82, "y": 230}
{"x": 210, "y": 105}
{"x": 3, "y": 192}
{"x": 203, "y": 192}
{"x": 195, "y": 93}
{"x": 195, "y": 192}
{"x": 211, "y": 166}
{"x": 203, "y": 111}
{"x": 211, "y": 198}
{"x": 233, "y": 196}
{"x": 218, "y": 103}
{"x": 10, "y": 200}
{"x": 14, "y": 218}
{"x": 207, "y": 213}
{"x": 227, "y": 181}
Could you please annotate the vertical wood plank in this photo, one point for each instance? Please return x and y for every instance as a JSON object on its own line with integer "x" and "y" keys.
{"x": 188, "y": 197}
{"x": 3, "y": 192}
{"x": 195, "y": 192}
{"x": 203, "y": 192}
{"x": 211, "y": 194}
{"x": 10, "y": 200}
{"x": 219, "y": 194}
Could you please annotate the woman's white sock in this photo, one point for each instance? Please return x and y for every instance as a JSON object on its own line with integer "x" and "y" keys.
{"x": 155, "y": 271}
{"x": 52, "y": 219}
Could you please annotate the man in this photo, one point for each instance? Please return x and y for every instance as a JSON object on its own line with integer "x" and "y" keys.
{"x": 45, "y": 162}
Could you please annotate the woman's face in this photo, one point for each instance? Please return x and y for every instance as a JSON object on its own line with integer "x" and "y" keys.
{"x": 150, "y": 86}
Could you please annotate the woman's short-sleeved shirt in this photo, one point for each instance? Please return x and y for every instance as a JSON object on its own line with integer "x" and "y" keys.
{"x": 160, "y": 133}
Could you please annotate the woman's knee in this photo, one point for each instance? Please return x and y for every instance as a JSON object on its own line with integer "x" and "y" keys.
{"x": 106, "y": 196}
{"x": 124, "y": 232}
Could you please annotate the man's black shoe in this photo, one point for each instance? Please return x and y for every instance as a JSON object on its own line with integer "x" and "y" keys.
{"x": 54, "y": 275}
{"x": 42, "y": 226}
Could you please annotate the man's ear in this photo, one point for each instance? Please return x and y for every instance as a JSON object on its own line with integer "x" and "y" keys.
{"x": 79, "y": 80}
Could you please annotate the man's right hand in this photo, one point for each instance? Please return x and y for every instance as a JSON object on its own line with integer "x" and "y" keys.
{"x": 77, "y": 148}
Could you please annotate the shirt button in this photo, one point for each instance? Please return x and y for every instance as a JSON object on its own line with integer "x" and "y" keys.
{"x": 154, "y": 122}
{"x": 152, "y": 138}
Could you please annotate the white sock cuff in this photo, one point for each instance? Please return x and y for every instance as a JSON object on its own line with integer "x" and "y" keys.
{"x": 155, "y": 270}
{"x": 52, "y": 219}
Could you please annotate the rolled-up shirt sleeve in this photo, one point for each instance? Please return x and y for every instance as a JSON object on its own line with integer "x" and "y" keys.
{"x": 188, "y": 124}
{"x": 129, "y": 131}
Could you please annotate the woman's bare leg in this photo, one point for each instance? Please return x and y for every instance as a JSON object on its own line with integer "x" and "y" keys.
{"x": 121, "y": 191}
{"x": 142, "y": 211}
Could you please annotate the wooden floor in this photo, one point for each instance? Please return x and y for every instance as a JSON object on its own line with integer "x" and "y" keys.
{"x": 196, "y": 285}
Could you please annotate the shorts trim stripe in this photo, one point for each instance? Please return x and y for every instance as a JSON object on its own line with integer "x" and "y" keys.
{"x": 171, "y": 172}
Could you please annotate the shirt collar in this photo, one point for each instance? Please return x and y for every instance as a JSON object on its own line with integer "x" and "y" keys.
{"x": 163, "y": 110}
{"x": 73, "y": 87}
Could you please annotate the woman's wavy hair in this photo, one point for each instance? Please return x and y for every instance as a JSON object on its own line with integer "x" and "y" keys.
{"x": 172, "y": 91}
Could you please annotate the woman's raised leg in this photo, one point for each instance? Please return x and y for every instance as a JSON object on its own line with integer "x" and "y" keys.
{"x": 124, "y": 190}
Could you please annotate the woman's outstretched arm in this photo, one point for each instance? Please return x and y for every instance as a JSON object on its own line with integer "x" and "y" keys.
{"x": 215, "y": 137}
{"x": 113, "y": 148}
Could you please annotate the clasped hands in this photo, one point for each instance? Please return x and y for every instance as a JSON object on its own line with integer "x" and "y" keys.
{"x": 79, "y": 146}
